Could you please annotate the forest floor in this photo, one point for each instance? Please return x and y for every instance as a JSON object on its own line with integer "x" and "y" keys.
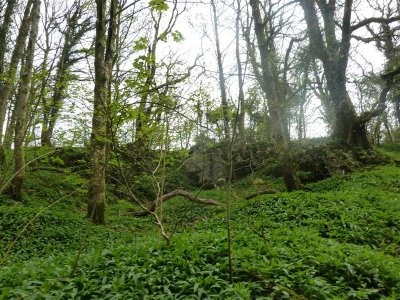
{"x": 338, "y": 239}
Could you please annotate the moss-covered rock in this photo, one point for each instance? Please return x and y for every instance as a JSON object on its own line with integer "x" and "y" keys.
{"x": 324, "y": 160}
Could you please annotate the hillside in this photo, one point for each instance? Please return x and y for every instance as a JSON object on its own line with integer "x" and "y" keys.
{"x": 338, "y": 239}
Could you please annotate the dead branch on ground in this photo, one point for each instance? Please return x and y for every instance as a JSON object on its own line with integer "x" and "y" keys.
{"x": 262, "y": 192}
{"x": 157, "y": 202}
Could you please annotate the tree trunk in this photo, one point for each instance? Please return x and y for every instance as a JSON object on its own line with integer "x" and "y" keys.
{"x": 104, "y": 55}
{"x": 10, "y": 130}
{"x": 397, "y": 109}
{"x": 21, "y": 104}
{"x": 4, "y": 30}
{"x": 7, "y": 85}
{"x": 376, "y": 131}
{"x": 221, "y": 75}
{"x": 389, "y": 135}
{"x": 347, "y": 126}
{"x": 51, "y": 118}
{"x": 301, "y": 123}
{"x": 275, "y": 97}
{"x": 45, "y": 72}
{"x": 242, "y": 104}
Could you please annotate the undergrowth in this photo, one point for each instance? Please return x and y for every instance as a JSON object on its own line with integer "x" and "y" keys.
{"x": 338, "y": 239}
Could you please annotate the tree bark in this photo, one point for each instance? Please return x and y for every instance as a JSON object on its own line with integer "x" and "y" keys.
{"x": 104, "y": 56}
{"x": 42, "y": 97}
{"x": 7, "y": 84}
{"x": 397, "y": 110}
{"x": 21, "y": 103}
{"x": 4, "y": 30}
{"x": 10, "y": 129}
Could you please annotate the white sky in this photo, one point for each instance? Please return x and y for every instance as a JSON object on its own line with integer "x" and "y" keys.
{"x": 199, "y": 20}
{"x": 196, "y": 27}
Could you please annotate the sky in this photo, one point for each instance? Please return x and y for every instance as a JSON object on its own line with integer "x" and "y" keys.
{"x": 196, "y": 27}
{"x": 195, "y": 24}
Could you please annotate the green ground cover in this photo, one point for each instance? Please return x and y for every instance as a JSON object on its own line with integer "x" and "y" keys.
{"x": 338, "y": 239}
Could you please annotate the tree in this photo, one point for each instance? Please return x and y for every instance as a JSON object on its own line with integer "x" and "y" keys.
{"x": 334, "y": 54}
{"x": 4, "y": 31}
{"x": 8, "y": 77}
{"x": 21, "y": 102}
{"x": 241, "y": 100}
{"x": 75, "y": 30}
{"x": 40, "y": 78}
{"x": 275, "y": 91}
{"x": 221, "y": 75}
{"x": 385, "y": 38}
{"x": 147, "y": 65}
{"x": 103, "y": 63}
{"x": 41, "y": 85}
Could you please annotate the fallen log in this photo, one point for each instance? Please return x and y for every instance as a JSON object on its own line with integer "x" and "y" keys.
{"x": 261, "y": 192}
{"x": 171, "y": 195}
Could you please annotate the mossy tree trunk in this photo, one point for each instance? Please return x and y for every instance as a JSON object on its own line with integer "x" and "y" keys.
{"x": 104, "y": 57}
{"x": 10, "y": 126}
{"x": 21, "y": 103}
{"x": 4, "y": 30}
{"x": 8, "y": 77}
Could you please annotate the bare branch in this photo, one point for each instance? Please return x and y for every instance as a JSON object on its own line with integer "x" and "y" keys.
{"x": 380, "y": 20}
